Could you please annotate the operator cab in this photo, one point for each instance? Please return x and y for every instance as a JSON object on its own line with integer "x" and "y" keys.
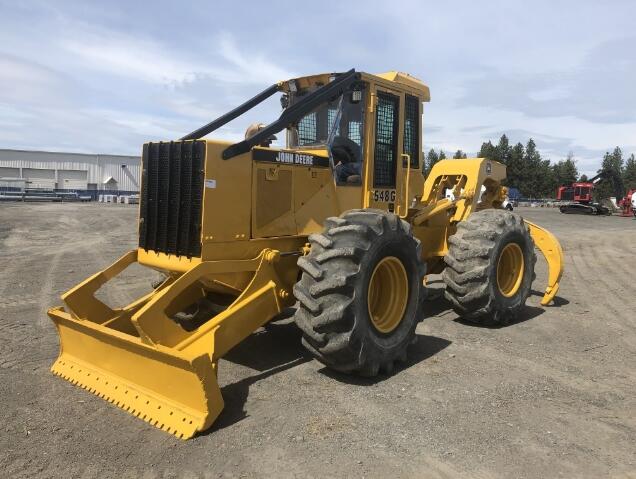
{"x": 377, "y": 119}
{"x": 365, "y": 128}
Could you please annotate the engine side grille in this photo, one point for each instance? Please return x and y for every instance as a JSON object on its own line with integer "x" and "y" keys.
{"x": 171, "y": 197}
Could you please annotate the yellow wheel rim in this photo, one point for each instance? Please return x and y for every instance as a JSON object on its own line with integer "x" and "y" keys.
{"x": 510, "y": 270}
{"x": 388, "y": 294}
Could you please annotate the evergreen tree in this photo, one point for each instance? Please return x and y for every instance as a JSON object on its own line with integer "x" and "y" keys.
{"x": 442, "y": 155}
{"x": 536, "y": 177}
{"x": 503, "y": 150}
{"x": 515, "y": 167}
{"x": 613, "y": 163}
{"x": 431, "y": 158}
{"x": 629, "y": 173}
{"x": 532, "y": 183}
{"x": 498, "y": 153}
{"x": 565, "y": 171}
{"x": 487, "y": 150}
{"x": 546, "y": 185}
{"x": 459, "y": 154}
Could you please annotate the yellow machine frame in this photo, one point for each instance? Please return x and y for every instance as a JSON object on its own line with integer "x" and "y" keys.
{"x": 139, "y": 359}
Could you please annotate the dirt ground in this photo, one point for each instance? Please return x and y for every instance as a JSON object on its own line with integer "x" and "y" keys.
{"x": 550, "y": 396}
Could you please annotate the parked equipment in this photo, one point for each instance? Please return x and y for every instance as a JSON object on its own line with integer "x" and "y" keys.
{"x": 579, "y": 195}
{"x": 628, "y": 204}
{"x": 340, "y": 220}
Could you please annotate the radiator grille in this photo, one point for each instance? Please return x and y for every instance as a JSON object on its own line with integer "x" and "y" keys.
{"x": 171, "y": 197}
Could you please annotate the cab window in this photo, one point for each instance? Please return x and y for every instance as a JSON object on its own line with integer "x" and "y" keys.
{"x": 337, "y": 125}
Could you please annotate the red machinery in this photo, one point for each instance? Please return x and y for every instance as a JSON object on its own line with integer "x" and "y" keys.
{"x": 579, "y": 195}
{"x": 581, "y": 192}
{"x": 628, "y": 204}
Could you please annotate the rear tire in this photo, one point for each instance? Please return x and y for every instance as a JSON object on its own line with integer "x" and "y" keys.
{"x": 360, "y": 293}
{"x": 490, "y": 267}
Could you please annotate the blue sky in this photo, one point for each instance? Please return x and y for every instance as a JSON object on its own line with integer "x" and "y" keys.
{"x": 107, "y": 76}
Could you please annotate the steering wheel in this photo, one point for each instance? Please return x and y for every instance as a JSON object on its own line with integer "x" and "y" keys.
{"x": 344, "y": 150}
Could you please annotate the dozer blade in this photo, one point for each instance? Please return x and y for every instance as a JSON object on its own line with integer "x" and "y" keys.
{"x": 139, "y": 359}
{"x": 170, "y": 391}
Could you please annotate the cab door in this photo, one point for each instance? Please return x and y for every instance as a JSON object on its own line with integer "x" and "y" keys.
{"x": 412, "y": 150}
{"x": 386, "y": 178}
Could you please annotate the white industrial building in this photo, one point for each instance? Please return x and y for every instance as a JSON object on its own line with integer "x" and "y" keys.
{"x": 69, "y": 171}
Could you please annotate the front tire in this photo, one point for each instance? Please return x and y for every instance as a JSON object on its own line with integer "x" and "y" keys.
{"x": 360, "y": 293}
{"x": 489, "y": 267}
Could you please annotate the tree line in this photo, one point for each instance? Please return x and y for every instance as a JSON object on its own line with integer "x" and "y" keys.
{"x": 536, "y": 177}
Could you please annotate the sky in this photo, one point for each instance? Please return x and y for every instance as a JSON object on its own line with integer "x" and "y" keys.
{"x": 105, "y": 77}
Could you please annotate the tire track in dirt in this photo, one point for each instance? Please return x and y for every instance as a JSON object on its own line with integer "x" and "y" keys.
{"x": 600, "y": 274}
{"x": 47, "y": 291}
{"x": 601, "y": 304}
{"x": 30, "y": 291}
{"x": 614, "y": 253}
{"x": 599, "y": 265}
{"x": 9, "y": 273}
{"x": 532, "y": 368}
{"x": 16, "y": 333}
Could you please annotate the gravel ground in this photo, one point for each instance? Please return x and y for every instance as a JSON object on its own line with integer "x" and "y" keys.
{"x": 552, "y": 395}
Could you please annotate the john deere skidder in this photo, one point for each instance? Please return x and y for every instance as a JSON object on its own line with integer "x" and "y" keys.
{"x": 341, "y": 222}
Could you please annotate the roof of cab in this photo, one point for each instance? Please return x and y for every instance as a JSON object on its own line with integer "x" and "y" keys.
{"x": 409, "y": 80}
{"x": 402, "y": 78}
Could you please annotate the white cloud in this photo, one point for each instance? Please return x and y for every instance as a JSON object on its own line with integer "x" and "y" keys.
{"x": 25, "y": 82}
{"x": 253, "y": 67}
{"x": 129, "y": 57}
{"x": 549, "y": 94}
{"x": 155, "y": 62}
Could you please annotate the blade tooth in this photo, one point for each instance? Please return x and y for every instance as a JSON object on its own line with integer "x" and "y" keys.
{"x": 150, "y": 409}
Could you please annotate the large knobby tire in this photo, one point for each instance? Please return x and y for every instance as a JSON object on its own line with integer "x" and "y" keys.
{"x": 360, "y": 292}
{"x": 489, "y": 267}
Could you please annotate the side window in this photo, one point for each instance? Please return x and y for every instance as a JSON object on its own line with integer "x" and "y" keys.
{"x": 355, "y": 132}
{"x": 386, "y": 131}
{"x": 307, "y": 130}
{"x": 412, "y": 130}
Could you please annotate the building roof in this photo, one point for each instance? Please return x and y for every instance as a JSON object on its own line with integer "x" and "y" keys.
{"x": 16, "y": 150}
